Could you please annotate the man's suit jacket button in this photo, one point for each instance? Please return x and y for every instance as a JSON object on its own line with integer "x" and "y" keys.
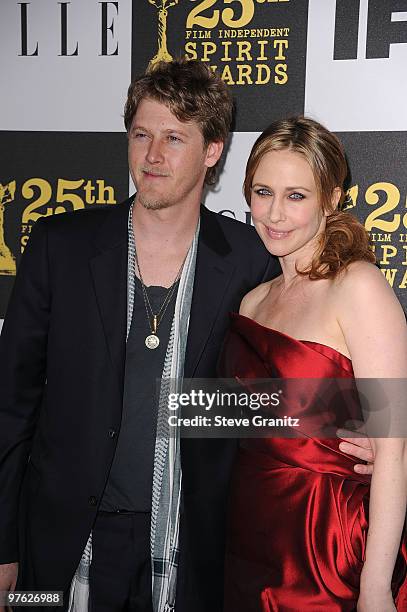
{"x": 112, "y": 433}
{"x": 92, "y": 500}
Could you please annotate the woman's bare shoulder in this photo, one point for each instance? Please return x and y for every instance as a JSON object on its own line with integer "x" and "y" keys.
{"x": 252, "y": 299}
{"x": 372, "y": 322}
{"x": 362, "y": 282}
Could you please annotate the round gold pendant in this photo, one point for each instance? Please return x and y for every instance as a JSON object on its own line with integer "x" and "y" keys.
{"x": 152, "y": 341}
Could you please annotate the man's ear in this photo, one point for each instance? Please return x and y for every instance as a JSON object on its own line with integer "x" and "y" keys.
{"x": 213, "y": 153}
{"x": 336, "y": 196}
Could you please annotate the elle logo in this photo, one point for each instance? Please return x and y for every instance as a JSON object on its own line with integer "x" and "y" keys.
{"x": 72, "y": 49}
{"x": 365, "y": 29}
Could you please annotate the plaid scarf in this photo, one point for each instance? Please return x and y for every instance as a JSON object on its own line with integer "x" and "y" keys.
{"x": 167, "y": 477}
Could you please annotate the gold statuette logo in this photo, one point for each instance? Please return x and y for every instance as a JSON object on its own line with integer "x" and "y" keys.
{"x": 162, "y": 52}
{"x": 7, "y": 260}
{"x": 351, "y": 197}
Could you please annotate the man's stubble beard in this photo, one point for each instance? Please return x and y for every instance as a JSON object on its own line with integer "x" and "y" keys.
{"x": 150, "y": 204}
{"x": 154, "y": 204}
{"x": 173, "y": 197}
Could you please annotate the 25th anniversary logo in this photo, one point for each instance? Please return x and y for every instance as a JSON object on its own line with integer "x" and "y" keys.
{"x": 226, "y": 35}
{"x": 43, "y": 201}
{"x": 387, "y": 227}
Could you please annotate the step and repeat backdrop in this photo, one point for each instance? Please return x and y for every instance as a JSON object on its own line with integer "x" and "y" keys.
{"x": 66, "y": 67}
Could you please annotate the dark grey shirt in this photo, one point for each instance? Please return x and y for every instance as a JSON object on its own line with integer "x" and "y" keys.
{"x": 130, "y": 479}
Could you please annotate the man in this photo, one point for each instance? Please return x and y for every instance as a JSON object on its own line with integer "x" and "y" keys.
{"x": 106, "y": 302}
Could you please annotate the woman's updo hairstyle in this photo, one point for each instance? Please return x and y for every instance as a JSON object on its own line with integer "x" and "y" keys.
{"x": 345, "y": 238}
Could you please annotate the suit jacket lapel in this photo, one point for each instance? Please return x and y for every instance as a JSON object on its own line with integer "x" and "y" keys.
{"x": 109, "y": 272}
{"x": 212, "y": 278}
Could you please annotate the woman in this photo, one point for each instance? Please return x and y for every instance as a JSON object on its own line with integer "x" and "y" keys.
{"x": 299, "y": 536}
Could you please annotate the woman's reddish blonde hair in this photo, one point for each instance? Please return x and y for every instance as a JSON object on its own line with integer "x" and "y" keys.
{"x": 345, "y": 239}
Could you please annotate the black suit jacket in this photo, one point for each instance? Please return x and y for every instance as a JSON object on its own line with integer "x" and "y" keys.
{"x": 62, "y": 355}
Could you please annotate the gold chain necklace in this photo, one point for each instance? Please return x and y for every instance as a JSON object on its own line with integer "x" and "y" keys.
{"x": 152, "y": 340}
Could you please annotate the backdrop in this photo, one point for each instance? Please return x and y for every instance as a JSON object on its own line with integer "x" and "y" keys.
{"x": 66, "y": 67}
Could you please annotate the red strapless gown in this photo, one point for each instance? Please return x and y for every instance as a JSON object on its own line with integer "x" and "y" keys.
{"x": 298, "y": 512}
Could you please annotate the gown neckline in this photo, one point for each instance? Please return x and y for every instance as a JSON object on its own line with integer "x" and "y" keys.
{"x": 276, "y": 331}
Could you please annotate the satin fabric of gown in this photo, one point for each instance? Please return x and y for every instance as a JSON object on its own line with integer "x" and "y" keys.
{"x": 298, "y": 513}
